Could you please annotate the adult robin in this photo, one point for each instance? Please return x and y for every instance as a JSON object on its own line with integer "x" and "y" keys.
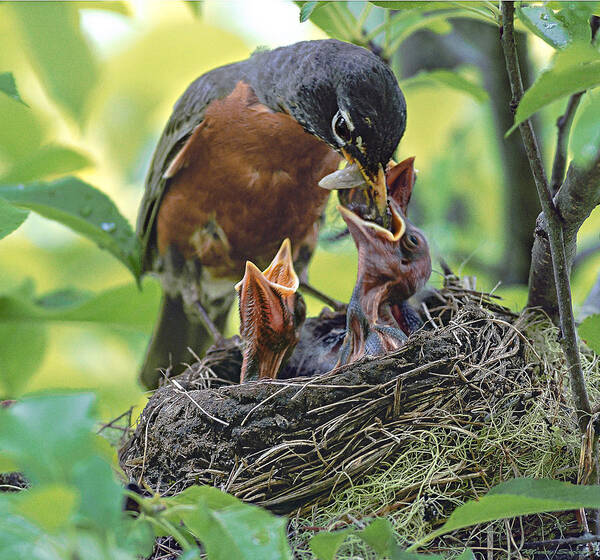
{"x": 237, "y": 168}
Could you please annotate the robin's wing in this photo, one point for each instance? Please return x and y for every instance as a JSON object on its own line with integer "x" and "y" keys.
{"x": 187, "y": 114}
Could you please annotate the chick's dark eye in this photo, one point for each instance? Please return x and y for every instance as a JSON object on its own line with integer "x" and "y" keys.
{"x": 341, "y": 129}
{"x": 411, "y": 241}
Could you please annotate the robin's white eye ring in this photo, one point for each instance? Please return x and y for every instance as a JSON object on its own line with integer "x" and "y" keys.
{"x": 341, "y": 129}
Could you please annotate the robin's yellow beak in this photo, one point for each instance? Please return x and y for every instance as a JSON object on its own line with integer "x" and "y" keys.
{"x": 354, "y": 176}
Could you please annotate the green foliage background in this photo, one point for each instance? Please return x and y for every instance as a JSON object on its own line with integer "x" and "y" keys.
{"x": 80, "y": 113}
{"x": 77, "y": 104}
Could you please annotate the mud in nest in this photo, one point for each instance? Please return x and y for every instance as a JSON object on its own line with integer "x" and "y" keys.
{"x": 474, "y": 398}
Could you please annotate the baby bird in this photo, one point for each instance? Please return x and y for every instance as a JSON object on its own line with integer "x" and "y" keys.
{"x": 271, "y": 315}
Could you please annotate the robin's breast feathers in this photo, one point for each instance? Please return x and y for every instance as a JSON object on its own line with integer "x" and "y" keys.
{"x": 246, "y": 178}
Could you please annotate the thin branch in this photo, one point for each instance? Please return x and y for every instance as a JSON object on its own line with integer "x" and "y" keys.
{"x": 555, "y": 229}
{"x": 563, "y": 124}
{"x": 564, "y": 542}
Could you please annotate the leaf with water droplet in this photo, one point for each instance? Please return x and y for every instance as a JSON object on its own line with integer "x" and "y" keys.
{"x": 542, "y": 21}
{"x": 108, "y": 227}
{"x": 573, "y": 70}
{"x": 70, "y": 202}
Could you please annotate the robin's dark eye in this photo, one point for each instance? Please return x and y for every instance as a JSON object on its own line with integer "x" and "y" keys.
{"x": 411, "y": 241}
{"x": 341, "y": 130}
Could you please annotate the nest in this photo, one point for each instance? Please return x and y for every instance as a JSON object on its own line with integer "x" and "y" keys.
{"x": 472, "y": 399}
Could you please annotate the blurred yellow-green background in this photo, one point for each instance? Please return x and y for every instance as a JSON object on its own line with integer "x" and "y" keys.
{"x": 108, "y": 108}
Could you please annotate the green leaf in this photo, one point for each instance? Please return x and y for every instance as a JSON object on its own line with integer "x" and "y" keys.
{"x": 452, "y": 79}
{"x": 255, "y": 533}
{"x": 467, "y": 554}
{"x": 22, "y": 349}
{"x": 106, "y": 5}
{"x": 585, "y": 138}
{"x": 306, "y": 9}
{"x": 47, "y": 434}
{"x": 11, "y": 218}
{"x": 379, "y": 535}
{"x": 19, "y": 538}
{"x": 101, "y": 495}
{"x": 195, "y": 7}
{"x": 420, "y": 6}
{"x": 476, "y": 10}
{"x": 521, "y": 496}
{"x": 542, "y": 21}
{"x": 575, "y": 16}
{"x": 122, "y": 306}
{"x": 325, "y": 545}
{"x": 45, "y": 162}
{"x": 574, "y": 69}
{"x": 9, "y": 86}
{"x": 332, "y": 17}
{"x": 58, "y": 51}
{"x": 405, "y": 24}
{"x": 136, "y": 537}
{"x": 85, "y": 210}
{"x": 211, "y": 497}
{"x": 400, "y": 554}
{"x": 243, "y": 532}
{"x": 21, "y": 131}
{"x": 227, "y": 527}
{"x": 24, "y": 323}
{"x": 192, "y": 554}
{"x": 589, "y": 331}
{"x": 49, "y": 506}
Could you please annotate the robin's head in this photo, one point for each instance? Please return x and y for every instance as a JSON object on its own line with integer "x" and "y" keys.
{"x": 349, "y": 97}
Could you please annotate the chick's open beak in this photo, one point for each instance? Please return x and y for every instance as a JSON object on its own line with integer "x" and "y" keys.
{"x": 269, "y": 324}
{"x": 365, "y": 228}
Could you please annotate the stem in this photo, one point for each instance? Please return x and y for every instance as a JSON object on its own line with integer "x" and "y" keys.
{"x": 364, "y": 15}
{"x": 555, "y": 229}
{"x": 563, "y": 124}
{"x": 386, "y": 37}
{"x": 348, "y": 22}
{"x": 478, "y": 12}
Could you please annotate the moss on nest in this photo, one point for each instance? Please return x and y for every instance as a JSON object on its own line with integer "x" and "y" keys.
{"x": 476, "y": 398}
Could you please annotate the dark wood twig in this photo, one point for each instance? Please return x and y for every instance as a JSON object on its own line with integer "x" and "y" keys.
{"x": 112, "y": 423}
{"x": 563, "y": 124}
{"x": 561, "y": 543}
{"x": 555, "y": 228}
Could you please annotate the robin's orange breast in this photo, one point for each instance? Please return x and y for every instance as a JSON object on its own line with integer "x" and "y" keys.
{"x": 247, "y": 178}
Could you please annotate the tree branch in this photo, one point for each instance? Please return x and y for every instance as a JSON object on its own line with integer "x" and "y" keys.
{"x": 555, "y": 228}
{"x": 563, "y": 124}
{"x": 578, "y": 196}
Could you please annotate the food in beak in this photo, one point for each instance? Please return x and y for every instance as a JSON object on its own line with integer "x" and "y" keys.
{"x": 350, "y": 177}
{"x": 365, "y": 195}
